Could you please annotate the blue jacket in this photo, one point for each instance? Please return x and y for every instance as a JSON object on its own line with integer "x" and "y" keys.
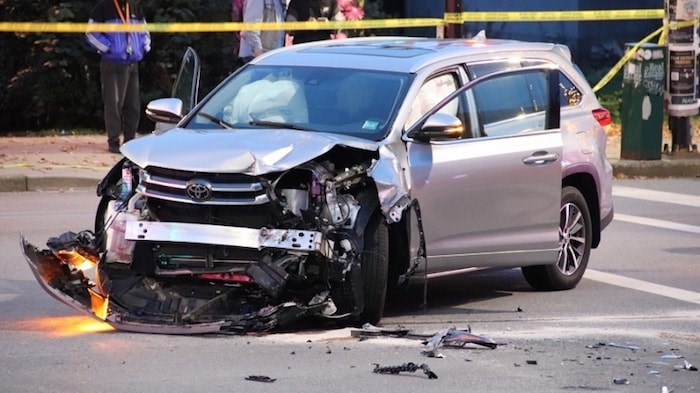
{"x": 119, "y": 47}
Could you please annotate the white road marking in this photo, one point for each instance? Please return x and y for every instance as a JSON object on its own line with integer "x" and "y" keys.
{"x": 644, "y": 286}
{"x": 6, "y": 297}
{"x": 652, "y": 222}
{"x": 656, "y": 196}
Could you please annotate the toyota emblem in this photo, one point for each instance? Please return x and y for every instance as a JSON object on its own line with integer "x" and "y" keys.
{"x": 199, "y": 190}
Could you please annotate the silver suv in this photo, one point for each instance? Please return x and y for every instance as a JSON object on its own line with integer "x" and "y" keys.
{"x": 320, "y": 176}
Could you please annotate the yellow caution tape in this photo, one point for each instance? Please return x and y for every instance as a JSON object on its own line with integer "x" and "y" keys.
{"x": 197, "y": 27}
{"x": 611, "y": 74}
{"x": 663, "y": 34}
{"x": 449, "y": 18}
{"x": 452, "y": 18}
{"x": 548, "y": 16}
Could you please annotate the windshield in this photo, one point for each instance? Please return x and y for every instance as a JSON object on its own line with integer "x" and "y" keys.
{"x": 338, "y": 100}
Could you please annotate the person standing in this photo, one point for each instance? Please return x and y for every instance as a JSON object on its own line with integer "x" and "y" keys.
{"x": 256, "y": 42}
{"x": 120, "y": 54}
{"x": 312, "y": 10}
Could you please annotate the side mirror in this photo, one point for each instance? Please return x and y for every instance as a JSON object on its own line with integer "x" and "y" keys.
{"x": 439, "y": 126}
{"x": 165, "y": 110}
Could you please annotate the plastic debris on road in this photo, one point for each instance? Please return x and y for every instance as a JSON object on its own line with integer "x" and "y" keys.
{"x": 406, "y": 367}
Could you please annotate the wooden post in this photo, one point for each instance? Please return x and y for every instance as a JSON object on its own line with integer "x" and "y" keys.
{"x": 454, "y": 30}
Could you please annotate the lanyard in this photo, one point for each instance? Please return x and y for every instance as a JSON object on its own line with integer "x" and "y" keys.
{"x": 124, "y": 19}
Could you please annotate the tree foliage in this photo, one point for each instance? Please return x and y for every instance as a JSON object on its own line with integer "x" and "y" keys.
{"x": 51, "y": 81}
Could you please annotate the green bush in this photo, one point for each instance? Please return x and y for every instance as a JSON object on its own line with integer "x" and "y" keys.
{"x": 52, "y": 80}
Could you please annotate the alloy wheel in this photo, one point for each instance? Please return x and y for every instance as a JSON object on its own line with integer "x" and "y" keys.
{"x": 572, "y": 239}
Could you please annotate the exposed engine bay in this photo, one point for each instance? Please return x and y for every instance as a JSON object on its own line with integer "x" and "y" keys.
{"x": 191, "y": 252}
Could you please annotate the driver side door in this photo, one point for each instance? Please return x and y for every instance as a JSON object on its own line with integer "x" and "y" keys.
{"x": 491, "y": 197}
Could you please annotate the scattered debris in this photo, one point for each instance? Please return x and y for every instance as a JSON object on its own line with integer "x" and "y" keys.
{"x": 630, "y": 347}
{"x": 449, "y": 337}
{"x": 621, "y": 381}
{"x": 671, "y": 356}
{"x": 260, "y": 378}
{"x": 453, "y": 337}
{"x": 685, "y": 366}
{"x": 369, "y": 330}
{"x": 664, "y": 389}
{"x": 407, "y": 367}
{"x": 433, "y": 343}
{"x": 461, "y": 337}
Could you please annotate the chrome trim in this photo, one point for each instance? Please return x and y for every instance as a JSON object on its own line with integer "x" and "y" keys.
{"x": 217, "y": 189}
{"x": 182, "y": 184}
{"x": 288, "y": 239}
{"x": 257, "y": 200}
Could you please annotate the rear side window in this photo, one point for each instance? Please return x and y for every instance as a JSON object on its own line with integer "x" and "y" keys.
{"x": 512, "y": 104}
{"x": 503, "y": 98}
{"x": 569, "y": 94}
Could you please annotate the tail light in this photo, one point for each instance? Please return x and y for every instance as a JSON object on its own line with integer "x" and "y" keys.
{"x": 603, "y": 117}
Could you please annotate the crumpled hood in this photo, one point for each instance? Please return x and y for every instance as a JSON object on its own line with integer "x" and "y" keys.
{"x": 248, "y": 151}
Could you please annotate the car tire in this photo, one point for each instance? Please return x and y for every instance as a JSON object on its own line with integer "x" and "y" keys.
{"x": 375, "y": 268}
{"x": 100, "y": 235}
{"x": 575, "y": 238}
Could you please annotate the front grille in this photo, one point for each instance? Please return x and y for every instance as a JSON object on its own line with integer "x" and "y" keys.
{"x": 237, "y": 200}
{"x": 226, "y": 189}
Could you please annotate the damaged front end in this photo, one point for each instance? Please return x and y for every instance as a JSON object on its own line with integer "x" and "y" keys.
{"x": 184, "y": 252}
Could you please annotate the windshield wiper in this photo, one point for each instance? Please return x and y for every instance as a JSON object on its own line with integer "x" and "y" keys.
{"x": 278, "y": 124}
{"x": 216, "y": 120}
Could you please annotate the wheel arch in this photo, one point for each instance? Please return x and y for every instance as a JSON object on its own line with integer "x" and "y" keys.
{"x": 588, "y": 187}
{"x": 399, "y": 249}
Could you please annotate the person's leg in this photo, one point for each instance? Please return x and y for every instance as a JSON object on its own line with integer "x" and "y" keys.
{"x": 131, "y": 111}
{"x": 112, "y": 104}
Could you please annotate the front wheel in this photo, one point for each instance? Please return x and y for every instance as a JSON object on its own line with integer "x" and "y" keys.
{"x": 375, "y": 268}
{"x": 575, "y": 237}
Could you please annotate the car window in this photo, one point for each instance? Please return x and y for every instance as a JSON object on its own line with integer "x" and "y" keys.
{"x": 346, "y": 101}
{"x": 476, "y": 70}
{"x": 430, "y": 94}
{"x": 512, "y": 103}
{"x": 569, "y": 94}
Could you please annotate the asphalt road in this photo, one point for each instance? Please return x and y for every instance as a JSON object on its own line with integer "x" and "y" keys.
{"x": 635, "y": 317}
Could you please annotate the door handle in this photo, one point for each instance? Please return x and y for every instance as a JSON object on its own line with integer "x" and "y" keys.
{"x": 540, "y": 158}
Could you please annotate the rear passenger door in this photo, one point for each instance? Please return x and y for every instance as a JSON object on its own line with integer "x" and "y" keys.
{"x": 492, "y": 198}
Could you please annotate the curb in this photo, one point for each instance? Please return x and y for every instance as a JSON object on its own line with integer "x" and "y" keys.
{"x": 20, "y": 183}
{"x": 664, "y": 168}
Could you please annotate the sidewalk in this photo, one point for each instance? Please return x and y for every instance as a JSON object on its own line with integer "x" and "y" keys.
{"x": 53, "y": 162}
{"x": 68, "y": 162}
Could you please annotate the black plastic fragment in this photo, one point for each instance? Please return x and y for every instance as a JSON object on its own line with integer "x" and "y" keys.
{"x": 270, "y": 277}
{"x": 260, "y": 378}
{"x": 406, "y": 367}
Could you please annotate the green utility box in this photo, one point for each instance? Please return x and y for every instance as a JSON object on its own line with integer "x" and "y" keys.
{"x": 642, "y": 106}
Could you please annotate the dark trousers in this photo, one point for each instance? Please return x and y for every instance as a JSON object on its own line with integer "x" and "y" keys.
{"x": 122, "y": 104}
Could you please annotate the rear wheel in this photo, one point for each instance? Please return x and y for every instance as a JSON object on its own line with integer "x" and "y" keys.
{"x": 575, "y": 237}
{"x": 375, "y": 268}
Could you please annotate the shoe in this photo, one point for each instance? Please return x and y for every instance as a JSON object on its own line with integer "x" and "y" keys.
{"x": 114, "y": 149}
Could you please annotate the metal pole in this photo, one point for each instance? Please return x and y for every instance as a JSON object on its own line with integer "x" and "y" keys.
{"x": 682, "y": 92}
{"x": 454, "y": 30}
